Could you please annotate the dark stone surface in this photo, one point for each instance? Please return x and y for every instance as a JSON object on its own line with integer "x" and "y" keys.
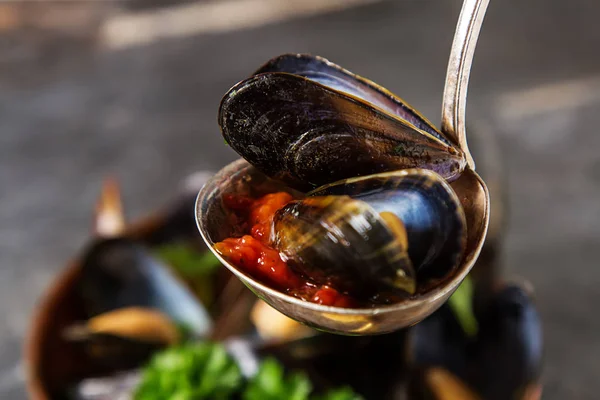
{"x": 71, "y": 114}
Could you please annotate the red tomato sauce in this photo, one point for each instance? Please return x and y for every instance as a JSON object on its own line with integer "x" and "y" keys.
{"x": 252, "y": 253}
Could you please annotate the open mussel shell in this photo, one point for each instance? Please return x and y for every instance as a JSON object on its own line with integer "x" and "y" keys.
{"x": 503, "y": 360}
{"x": 306, "y": 134}
{"x": 327, "y": 73}
{"x": 375, "y": 235}
{"x": 120, "y": 273}
{"x": 426, "y": 204}
{"x": 215, "y": 224}
{"x": 125, "y": 337}
{"x": 511, "y": 341}
{"x": 134, "y": 322}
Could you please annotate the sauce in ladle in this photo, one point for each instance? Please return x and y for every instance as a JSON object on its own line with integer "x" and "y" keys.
{"x": 253, "y": 254}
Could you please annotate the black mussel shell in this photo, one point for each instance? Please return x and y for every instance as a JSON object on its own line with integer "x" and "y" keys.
{"x": 503, "y": 361}
{"x": 119, "y": 273}
{"x": 305, "y": 134}
{"x": 428, "y": 208}
{"x": 325, "y": 72}
{"x": 346, "y": 244}
{"x": 375, "y": 234}
{"x": 510, "y": 341}
{"x": 439, "y": 341}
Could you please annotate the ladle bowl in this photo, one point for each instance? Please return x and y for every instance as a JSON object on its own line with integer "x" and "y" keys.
{"x": 215, "y": 225}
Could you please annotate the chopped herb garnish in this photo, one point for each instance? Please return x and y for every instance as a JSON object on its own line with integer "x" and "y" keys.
{"x": 188, "y": 261}
{"x": 205, "y": 370}
{"x": 343, "y": 393}
{"x": 194, "y": 371}
{"x": 271, "y": 384}
{"x": 195, "y": 267}
{"x": 461, "y": 302}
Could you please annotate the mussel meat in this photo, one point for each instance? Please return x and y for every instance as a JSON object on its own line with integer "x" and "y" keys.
{"x": 307, "y": 122}
{"x": 378, "y": 234}
{"x": 438, "y": 384}
{"x": 126, "y": 337}
{"x": 275, "y": 327}
{"x": 134, "y": 323}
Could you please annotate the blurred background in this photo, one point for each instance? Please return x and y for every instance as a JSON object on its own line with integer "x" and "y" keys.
{"x": 131, "y": 89}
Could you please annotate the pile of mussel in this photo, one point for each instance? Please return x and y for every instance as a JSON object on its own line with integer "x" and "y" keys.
{"x": 373, "y": 213}
{"x": 134, "y": 305}
{"x": 377, "y": 218}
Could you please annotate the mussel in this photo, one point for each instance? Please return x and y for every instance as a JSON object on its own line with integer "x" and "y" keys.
{"x": 133, "y": 304}
{"x": 119, "y": 273}
{"x": 375, "y": 235}
{"x": 308, "y": 122}
{"x": 501, "y": 361}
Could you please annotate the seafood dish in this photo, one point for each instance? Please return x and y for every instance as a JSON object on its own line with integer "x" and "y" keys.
{"x": 351, "y": 200}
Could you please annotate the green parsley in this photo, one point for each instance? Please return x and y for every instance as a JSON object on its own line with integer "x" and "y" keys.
{"x": 187, "y": 261}
{"x": 461, "y": 302}
{"x": 271, "y": 384}
{"x": 193, "y": 371}
{"x": 202, "y": 371}
{"x": 343, "y": 393}
{"x": 197, "y": 268}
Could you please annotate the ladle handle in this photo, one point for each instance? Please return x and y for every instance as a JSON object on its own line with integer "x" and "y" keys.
{"x": 459, "y": 69}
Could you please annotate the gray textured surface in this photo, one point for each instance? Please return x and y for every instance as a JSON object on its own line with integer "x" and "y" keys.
{"x": 70, "y": 115}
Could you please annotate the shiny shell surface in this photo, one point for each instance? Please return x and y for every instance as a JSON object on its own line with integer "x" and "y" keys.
{"x": 379, "y": 233}
{"x": 310, "y": 128}
{"x": 325, "y": 72}
{"x": 346, "y": 244}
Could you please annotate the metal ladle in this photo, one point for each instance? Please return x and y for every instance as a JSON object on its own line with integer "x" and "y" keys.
{"x": 214, "y": 225}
